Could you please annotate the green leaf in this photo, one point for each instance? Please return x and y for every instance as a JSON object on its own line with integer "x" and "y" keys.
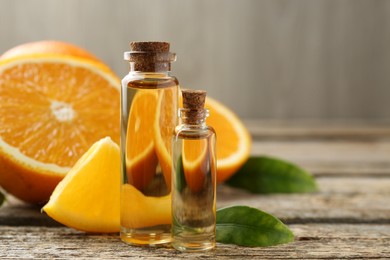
{"x": 270, "y": 175}
{"x": 2, "y": 198}
{"x": 246, "y": 226}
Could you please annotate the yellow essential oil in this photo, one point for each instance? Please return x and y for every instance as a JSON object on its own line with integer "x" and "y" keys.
{"x": 149, "y": 100}
{"x": 194, "y": 177}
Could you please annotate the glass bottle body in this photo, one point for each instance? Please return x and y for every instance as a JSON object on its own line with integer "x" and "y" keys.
{"x": 148, "y": 118}
{"x": 194, "y": 188}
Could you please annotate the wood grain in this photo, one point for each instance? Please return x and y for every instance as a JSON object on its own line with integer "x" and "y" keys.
{"x": 323, "y": 207}
{"x": 348, "y": 218}
{"x": 340, "y": 200}
{"x": 329, "y": 130}
{"x": 331, "y": 158}
{"x": 314, "y": 241}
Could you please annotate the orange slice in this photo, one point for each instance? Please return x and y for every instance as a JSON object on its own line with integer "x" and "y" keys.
{"x": 52, "y": 109}
{"x": 87, "y": 199}
{"x": 233, "y": 139}
{"x": 141, "y": 159}
{"x": 164, "y": 126}
{"x": 145, "y": 211}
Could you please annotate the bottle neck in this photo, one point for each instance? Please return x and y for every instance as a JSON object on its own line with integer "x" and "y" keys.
{"x": 161, "y": 67}
{"x": 146, "y": 61}
{"x": 153, "y": 74}
{"x": 193, "y": 118}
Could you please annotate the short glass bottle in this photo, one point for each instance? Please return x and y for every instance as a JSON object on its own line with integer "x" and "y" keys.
{"x": 193, "y": 180}
{"x": 149, "y": 99}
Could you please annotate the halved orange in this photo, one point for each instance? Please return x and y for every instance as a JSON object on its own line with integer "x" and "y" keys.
{"x": 87, "y": 199}
{"x": 48, "y": 47}
{"x": 52, "y": 47}
{"x": 52, "y": 109}
{"x": 164, "y": 126}
{"x": 141, "y": 159}
{"x": 233, "y": 139}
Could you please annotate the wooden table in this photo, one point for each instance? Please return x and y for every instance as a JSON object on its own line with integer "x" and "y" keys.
{"x": 348, "y": 218}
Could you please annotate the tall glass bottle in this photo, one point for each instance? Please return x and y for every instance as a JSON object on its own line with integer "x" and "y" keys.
{"x": 194, "y": 177}
{"x": 149, "y": 101}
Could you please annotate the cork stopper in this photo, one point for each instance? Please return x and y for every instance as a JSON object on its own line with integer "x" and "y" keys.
{"x": 150, "y": 46}
{"x": 193, "y": 99}
{"x": 150, "y": 56}
{"x": 193, "y": 111}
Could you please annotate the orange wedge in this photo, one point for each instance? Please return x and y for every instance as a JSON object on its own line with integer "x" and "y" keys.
{"x": 233, "y": 139}
{"x": 141, "y": 159}
{"x": 145, "y": 211}
{"x": 52, "y": 109}
{"x": 87, "y": 199}
{"x": 164, "y": 126}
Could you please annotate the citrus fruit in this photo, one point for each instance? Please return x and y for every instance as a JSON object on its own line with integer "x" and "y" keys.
{"x": 145, "y": 211}
{"x": 48, "y": 47}
{"x": 233, "y": 139}
{"x": 87, "y": 199}
{"x": 52, "y": 109}
{"x": 164, "y": 128}
{"x": 141, "y": 159}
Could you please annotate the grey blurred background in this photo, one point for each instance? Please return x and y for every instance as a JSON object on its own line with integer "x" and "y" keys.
{"x": 265, "y": 59}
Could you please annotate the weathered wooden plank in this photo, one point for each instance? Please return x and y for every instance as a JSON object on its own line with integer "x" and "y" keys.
{"x": 25, "y": 232}
{"x": 315, "y": 241}
{"x": 18, "y": 213}
{"x": 340, "y": 200}
{"x": 349, "y": 205}
{"x": 355, "y": 186}
{"x": 318, "y": 129}
{"x": 333, "y": 158}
